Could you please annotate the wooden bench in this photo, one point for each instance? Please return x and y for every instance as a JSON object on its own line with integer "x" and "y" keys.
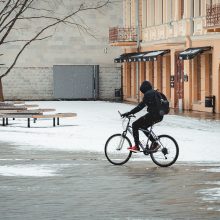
{"x": 16, "y": 102}
{"x": 20, "y": 111}
{"x": 12, "y": 103}
{"x": 57, "y": 116}
{"x": 17, "y": 112}
{"x": 17, "y": 106}
{"x": 26, "y": 111}
{"x": 13, "y": 108}
{"x": 5, "y": 104}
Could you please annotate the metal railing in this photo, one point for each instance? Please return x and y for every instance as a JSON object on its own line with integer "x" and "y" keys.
{"x": 213, "y": 15}
{"x": 117, "y": 34}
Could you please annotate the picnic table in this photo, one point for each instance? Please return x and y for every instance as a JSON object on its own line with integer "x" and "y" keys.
{"x": 55, "y": 117}
{"x": 21, "y": 110}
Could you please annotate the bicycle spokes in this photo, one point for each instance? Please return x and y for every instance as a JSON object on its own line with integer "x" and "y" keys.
{"x": 116, "y": 149}
{"x": 168, "y": 153}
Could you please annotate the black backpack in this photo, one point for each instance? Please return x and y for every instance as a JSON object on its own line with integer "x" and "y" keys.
{"x": 162, "y": 104}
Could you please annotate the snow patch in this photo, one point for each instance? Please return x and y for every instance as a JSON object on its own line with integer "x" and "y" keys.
{"x": 28, "y": 170}
{"x": 96, "y": 120}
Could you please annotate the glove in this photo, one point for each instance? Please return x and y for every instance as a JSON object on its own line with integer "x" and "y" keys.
{"x": 126, "y": 114}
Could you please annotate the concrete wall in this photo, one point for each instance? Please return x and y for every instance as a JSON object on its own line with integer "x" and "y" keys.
{"x": 32, "y": 76}
{"x": 36, "y": 83}
{"x": 28, "y": 83}
{"x": 109, "y": 80}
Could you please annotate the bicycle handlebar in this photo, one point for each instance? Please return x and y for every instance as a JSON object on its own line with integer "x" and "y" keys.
{"x": 129, "y": 116}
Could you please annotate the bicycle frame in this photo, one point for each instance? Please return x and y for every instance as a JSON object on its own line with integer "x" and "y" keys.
{"x": 145, "y": 131}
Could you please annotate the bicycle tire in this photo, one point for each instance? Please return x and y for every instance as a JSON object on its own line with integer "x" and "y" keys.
{"x": 168, "y": 152}
{"x": 115, "y": 155}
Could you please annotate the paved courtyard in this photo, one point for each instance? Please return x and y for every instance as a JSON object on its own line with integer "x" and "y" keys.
{"x": 49, "y": 185}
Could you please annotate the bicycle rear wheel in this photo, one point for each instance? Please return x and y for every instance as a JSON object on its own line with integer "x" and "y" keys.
{"x": 116, "y": 149}
{"x": 168, "y": 152}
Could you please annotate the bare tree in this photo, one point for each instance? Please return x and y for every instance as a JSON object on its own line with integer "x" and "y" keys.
{"x": 45, "y": 15}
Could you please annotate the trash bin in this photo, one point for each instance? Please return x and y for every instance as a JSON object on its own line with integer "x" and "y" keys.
{"x": 209, "y": 101}
{"x": 118, "y": 95}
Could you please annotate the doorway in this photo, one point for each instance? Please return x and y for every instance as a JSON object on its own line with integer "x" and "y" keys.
{"x": 179, "y": 83}
{"x": 76, "y": 81}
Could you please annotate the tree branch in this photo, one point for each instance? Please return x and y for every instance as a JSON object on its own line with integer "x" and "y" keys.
{"x": 13, "y": 41}
{"x": 80, "y": 9}
{"x": 14, "y": 21}
{"x": 41, "y": 9}
{"x": 5, "y": 8}
{"x": 9, "y": 13}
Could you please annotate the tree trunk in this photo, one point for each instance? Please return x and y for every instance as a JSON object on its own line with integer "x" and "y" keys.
{"x": 1, "y": 91}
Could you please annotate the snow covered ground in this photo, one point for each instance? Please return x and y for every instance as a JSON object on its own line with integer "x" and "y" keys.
{"x": 96, "y": 121}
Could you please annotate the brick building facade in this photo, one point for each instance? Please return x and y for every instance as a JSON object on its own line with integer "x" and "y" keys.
{"x": 175, "y": 44}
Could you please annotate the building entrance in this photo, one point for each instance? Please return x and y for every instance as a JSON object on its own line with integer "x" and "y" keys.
{"x": 179, "y": 83}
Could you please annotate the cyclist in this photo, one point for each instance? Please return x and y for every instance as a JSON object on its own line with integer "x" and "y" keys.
{"x": 148, "y": 119}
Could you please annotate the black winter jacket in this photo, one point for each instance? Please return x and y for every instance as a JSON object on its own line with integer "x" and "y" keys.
{"x": 148, "y": 99}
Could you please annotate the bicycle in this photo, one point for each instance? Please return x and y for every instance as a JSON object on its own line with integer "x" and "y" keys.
{"x": 117, "y": 153}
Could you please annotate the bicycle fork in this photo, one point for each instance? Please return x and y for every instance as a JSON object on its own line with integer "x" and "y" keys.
{"x": 121, "y": 143}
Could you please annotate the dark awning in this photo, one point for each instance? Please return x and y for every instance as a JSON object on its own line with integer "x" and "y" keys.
{"x": 141, "y": 56}
{"x": 190, "y": 53}
{"x": 147, "y": 56}
{"x": 123, "y": 57}
{"x": 136, "y": 57}
{"x": 120, "y": 58}
{"x": 152, "y": 56}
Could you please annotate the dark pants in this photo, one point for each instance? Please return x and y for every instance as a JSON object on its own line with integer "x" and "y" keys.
{"x": 144, "y": 122}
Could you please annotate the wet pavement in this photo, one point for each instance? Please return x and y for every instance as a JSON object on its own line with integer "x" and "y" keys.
{"x": 46, "y": 185}
{"x": 198, "y": 115}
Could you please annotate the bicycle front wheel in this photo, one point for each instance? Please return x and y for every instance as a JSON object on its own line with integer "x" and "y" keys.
{"x": 116, "y": 149}
{"x": 168, "y": 152}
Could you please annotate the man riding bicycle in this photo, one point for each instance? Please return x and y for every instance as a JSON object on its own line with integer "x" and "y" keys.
{"x": 152, "y": 117}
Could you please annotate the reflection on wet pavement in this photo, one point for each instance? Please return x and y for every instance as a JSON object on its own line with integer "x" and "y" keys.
{"x": 64, "y": 185}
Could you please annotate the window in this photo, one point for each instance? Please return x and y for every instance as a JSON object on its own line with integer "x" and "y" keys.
{"x": 197, "y": 78}
{"x": 128, "y": 79}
